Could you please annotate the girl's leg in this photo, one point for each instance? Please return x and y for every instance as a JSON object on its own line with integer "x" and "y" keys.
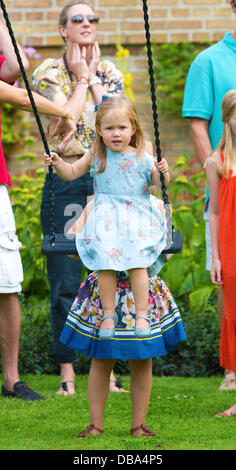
{"x": 140, "y": 389}
{"x": 230, "y": 411}
{"x": 67, "y": 386}
{"x": 107, "y": 289}
{"x": 98, "y": 389}
{"x": 140, "y": 288}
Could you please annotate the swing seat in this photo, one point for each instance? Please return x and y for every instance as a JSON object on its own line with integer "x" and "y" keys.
{"x": 62, "y": 244}
{"x": 176, "y": 244}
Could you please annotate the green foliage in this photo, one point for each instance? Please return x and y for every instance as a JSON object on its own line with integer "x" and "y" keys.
{"x": 185, "y": 273}
{"x": 171, "y": 64}
{"x": 35, "y": 353}
{"x": 12, "y": 132}
{"x": 26, "y": 198}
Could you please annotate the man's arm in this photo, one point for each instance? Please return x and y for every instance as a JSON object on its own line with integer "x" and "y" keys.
{"x": 200, "y": 139}
{"x": 10, "y": 69}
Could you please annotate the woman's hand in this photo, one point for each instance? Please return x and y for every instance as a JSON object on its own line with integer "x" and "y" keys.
{"x": 77, "y": 59}
{"x": 216, "y": 275}
{"x": 69, "y": 128}
{"x": 93, "y": 66}
{"x": 53, "y": 158}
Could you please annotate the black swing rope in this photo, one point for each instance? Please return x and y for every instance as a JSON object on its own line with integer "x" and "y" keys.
{"x": 66, "y": 245}
{"x": 37, "y": 117}
{"x": 155, "y": 121}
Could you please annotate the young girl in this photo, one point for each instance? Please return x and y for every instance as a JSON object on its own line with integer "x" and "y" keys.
{"x": 83, "y": 323}
{"x": 221, "y": 176}
{"x": 123, "y": 231}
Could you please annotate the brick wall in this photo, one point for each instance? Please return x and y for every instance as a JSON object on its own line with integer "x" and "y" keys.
{"x": 170, "y": 21}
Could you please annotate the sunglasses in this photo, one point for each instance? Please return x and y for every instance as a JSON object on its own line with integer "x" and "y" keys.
{"x": 81, "y": 18}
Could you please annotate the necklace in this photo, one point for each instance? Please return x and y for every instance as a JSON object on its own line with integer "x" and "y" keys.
{"x": 70, "y": 75}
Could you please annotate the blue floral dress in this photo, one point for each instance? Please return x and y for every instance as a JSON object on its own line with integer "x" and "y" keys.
{"x": 123, "y": 230}
{"x": 80, "y": 331}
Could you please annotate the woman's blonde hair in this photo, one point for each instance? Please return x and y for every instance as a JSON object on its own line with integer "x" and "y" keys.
{"x": 228, "y": 107}
{"x": 118, "y": 102}
{"x": 64, "y": 12}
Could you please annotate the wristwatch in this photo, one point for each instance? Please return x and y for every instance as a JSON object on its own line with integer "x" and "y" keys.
{"x": 95, "y": 81}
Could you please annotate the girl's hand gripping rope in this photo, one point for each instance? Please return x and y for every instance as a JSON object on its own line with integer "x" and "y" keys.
{"x": 53, "y": 158}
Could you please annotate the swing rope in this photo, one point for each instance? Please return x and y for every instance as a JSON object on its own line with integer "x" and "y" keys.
{"x": 37, "y": 117}
{"x": 65, "y": 245}
{"x": 155, "y": 121}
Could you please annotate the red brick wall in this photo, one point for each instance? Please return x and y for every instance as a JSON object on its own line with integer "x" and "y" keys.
{"x": 170, "y": 20}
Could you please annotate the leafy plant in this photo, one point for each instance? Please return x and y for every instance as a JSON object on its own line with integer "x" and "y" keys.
{"x": 26, "y": 198}
{"x": 12, "y": 123}
{"x": 185, "y": 273}
{"x": 171, "y": 63}
{"x": 122, "y": 55}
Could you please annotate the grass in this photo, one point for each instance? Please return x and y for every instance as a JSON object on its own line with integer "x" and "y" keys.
{"x": 181, "y": 412}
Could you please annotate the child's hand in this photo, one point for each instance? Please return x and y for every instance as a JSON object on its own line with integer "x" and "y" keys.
{"x": 216, "y": 275}
{"x": 54, "y": 159}
{"x": 162, "y": 166}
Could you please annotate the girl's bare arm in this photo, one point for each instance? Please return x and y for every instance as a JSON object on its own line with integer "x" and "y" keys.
{"x": 213, "y": 178}
{"x": 68, "y": 171}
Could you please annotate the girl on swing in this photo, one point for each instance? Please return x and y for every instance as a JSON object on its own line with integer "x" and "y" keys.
{"x": 123, "y": 232}
{"x": 221, "y": 172}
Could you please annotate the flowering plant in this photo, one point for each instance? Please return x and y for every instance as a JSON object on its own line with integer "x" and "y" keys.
{"x": 122, "y": 55}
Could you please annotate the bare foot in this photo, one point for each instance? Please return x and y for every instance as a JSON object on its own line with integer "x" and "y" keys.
{"x": 113, "y": 387}
{"x": 230, "y": 412}
{"x": 66, "y": 388}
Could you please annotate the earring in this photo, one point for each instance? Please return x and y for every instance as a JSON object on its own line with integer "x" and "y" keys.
{"x": 65, "y": 41}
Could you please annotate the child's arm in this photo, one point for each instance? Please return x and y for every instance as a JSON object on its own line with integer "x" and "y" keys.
{"x": 213, "y": 179}
{"x": 68, "y": 171}
{"x": 162, "y": 167}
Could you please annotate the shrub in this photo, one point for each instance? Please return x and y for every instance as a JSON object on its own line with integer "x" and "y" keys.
{"x": 171, "y": 63}
{"x": 26, "y": 198}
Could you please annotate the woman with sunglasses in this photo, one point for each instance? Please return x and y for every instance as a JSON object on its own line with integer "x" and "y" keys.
{"x": 78, "y": 79}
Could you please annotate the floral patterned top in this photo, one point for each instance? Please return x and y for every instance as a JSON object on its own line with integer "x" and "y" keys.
{"x": 51, "y": 80}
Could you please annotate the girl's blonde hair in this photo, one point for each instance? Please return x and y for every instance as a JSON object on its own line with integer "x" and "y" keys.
{"x": 64, "y": 12}
{"x": 118, "y": 102}
{"x": 228, "y": 107}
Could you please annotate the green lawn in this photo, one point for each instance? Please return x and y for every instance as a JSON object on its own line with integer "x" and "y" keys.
{"x": 181, "y": 412}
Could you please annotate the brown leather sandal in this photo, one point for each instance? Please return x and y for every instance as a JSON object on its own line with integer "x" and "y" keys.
{"x": 88, "y": 429}
{"x": 144, "y": 428}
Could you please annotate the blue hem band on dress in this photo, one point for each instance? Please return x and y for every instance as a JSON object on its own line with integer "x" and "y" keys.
{"x": 80, "y": 332}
